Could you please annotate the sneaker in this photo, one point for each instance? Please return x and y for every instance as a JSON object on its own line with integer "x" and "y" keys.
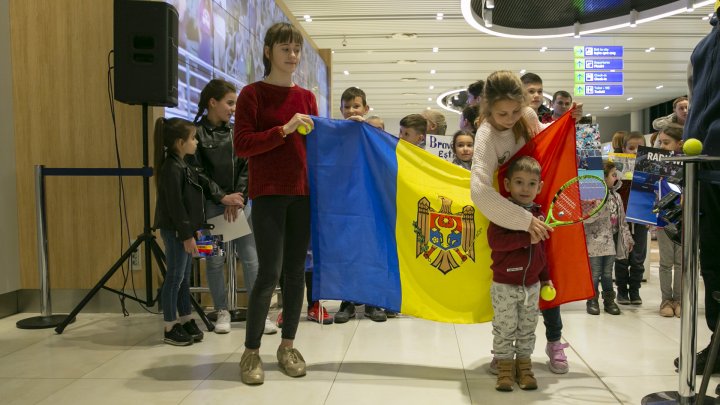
{"x": 666, "y": 309}
{"x": 313, "y": 314}
{"x": 493, "y": 364}
{"x": 192, "y": 329}
{"x": 635, "y": 297}
{"x": 177, "y": 336}
{"x": 375, "y": 314}
{"x": 291, "y": 361}
{"x": 391, "y": 314}
{"x": 676, "y": 308}
{"x": 222, "y": 325}
{"x": 270, "y": 328}
{"x": 279, "y": 321}
{"x": 558, "y": 363}
{"x": 346, "y": 312}
{"x": 623, "y": 297}
{"x": 251, "y": 369}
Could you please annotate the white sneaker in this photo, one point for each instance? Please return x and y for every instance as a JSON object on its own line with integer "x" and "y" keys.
{"x": 222, "y": 325}
{"x": 270, "y": 328}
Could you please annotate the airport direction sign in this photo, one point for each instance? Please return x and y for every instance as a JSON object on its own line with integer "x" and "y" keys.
{"x": 598, "y": 64}
{"x": 582, "y": 76}
{"x": 598, "y": 51}
{"x": 598, "y": 89}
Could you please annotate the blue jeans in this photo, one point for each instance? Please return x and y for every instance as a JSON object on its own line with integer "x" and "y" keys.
{"x": 602, "y": 267}
{"x": 215, "y": 265}
{"x": 176, "y": 287}
{"x": 553, "y": 324}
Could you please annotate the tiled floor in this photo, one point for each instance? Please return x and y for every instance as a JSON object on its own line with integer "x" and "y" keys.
{"x": 108, "y": 359}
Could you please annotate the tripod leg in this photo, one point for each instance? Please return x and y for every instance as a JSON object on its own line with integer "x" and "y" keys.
{"x": 710, "y": 363}
{"x": 125, "y": 256}
{"x": 160, "y": 258}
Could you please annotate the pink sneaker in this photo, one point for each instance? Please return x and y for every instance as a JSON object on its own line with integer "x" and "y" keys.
{"x": 558, "y": 361}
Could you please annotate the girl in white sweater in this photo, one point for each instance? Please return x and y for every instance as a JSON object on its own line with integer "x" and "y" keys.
{"x": 508, "y": 124}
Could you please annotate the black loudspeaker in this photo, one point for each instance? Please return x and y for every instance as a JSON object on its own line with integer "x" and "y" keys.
{"x": 146, "y": 53}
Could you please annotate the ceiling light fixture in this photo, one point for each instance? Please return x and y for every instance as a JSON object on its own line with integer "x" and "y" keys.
{"x": 432, "y": 71}
{"x": 633, "y": 18}
{"x": 345, "y": 72}
{"x": 629, "y": 99}
{"x": 372, "y": 109}
{"x": 543, "y": 49}
{"x": 705, "y": 18}
{"x": 439, "y": 16}
{"x": 430, "y": 87}
{"x": 429, "y": 98}
{"x": 522, "y": 71}
{"x": 607, "y": 107}
{"x": 588, "y": 115}
{"x": 436, "y": 49}
{"x": 658, "y": 87}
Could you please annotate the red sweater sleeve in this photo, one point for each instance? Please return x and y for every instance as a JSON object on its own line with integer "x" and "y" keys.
{"x": 506, "y": 240}
{"x": 248, "y": 140}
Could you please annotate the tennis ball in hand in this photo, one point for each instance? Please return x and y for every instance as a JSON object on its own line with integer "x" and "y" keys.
{"x": 692, "y": 147}
{"x": 303, "y": 129}
{"x": 548, "y": 293}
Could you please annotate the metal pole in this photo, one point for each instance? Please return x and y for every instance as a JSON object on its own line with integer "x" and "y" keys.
{"x": 688, "y": 316}
{"x": 46, "y": 318}
{"x": 45, "y": 303}
{"x": 232, "y": 275}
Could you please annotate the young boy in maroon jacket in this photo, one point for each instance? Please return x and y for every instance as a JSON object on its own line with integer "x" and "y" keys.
{"x": 519, "y": 268}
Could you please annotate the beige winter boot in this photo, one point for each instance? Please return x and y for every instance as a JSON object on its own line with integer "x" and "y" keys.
{"x": 525, "y": 377}
{"x": 506, "y": 375}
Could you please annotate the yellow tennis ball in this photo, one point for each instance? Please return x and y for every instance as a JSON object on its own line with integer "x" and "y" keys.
{"x": 692, "y": 147}
{"x": 548, "y": 293}
{"x": 303, "y": 129}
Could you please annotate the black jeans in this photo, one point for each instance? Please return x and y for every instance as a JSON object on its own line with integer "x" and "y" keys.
{"x": 629, "y": 272}
{"x": 553, "y": 324}
{"x": 709, "y": 243}
{"x": 282, "y": 233}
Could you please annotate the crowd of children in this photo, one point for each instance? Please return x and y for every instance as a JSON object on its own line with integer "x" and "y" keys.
{"x": 204, "y": 168}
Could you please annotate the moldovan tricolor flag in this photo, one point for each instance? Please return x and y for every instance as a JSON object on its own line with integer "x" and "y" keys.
{"x": 394, "y": 227}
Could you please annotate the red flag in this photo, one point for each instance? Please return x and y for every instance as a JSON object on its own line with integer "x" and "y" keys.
{"x": 567, "y": 252}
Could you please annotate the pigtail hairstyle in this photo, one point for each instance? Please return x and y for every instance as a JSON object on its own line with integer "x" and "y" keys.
{"x": 167, "y": 133}
{"x": 505, "y": 85}
{"x": 215, "y": 89}
{"x": 279, "y": 33}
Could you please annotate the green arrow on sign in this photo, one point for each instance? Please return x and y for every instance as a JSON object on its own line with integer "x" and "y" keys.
{"x": 579, "y": 77}
{"x": 580, "y": 90}
{"x": 579, "y": 63}
{"x": 579, "y": 51}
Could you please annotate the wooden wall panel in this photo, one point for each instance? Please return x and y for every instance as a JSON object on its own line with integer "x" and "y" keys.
{"x": 62, "y": 119}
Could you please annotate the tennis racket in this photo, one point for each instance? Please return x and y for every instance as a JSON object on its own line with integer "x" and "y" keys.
{"x": 577, "y": 200}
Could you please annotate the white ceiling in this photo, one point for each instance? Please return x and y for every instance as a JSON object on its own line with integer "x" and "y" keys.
{"x": 377, "y": 62}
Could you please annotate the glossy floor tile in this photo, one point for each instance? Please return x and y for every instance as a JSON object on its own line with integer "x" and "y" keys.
{"x": 111, "y": 359}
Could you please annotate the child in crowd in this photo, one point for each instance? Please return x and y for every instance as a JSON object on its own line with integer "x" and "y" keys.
{"x": 474, "y": 93}
{"x": 376, "y": 121}
{"x": 507, "y": 124}
{"x": 629, "y": 271}
{"x": 561, "y": 103}
{"x": 469, "y": 117}
{"x": 617, "y": 141}
{"x": 519, "y": 268}
{"x": 534, "y": 86}
{"x": 353, "y": 106}
{"x": 413, "y": 129}
{"x": 179, "y": 214}
{"x": 266, "y": 121}
{"x": 228, "y": 176}
{"x": 436, "y": 122}
{"x": 608, "y": 237}
{"x": 462, "y": 145}
{"x": 669, "y": 138}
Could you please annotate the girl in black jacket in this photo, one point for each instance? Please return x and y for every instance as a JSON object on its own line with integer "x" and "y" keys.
{"x": 179, "y": 214}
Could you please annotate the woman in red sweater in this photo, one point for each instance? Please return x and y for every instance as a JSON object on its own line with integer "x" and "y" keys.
{"x": 267, "y": 117}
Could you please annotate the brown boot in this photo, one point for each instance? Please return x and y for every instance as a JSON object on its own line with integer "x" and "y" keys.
{"x": 506, "y": 375}
{"x": 525, "y": 377}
